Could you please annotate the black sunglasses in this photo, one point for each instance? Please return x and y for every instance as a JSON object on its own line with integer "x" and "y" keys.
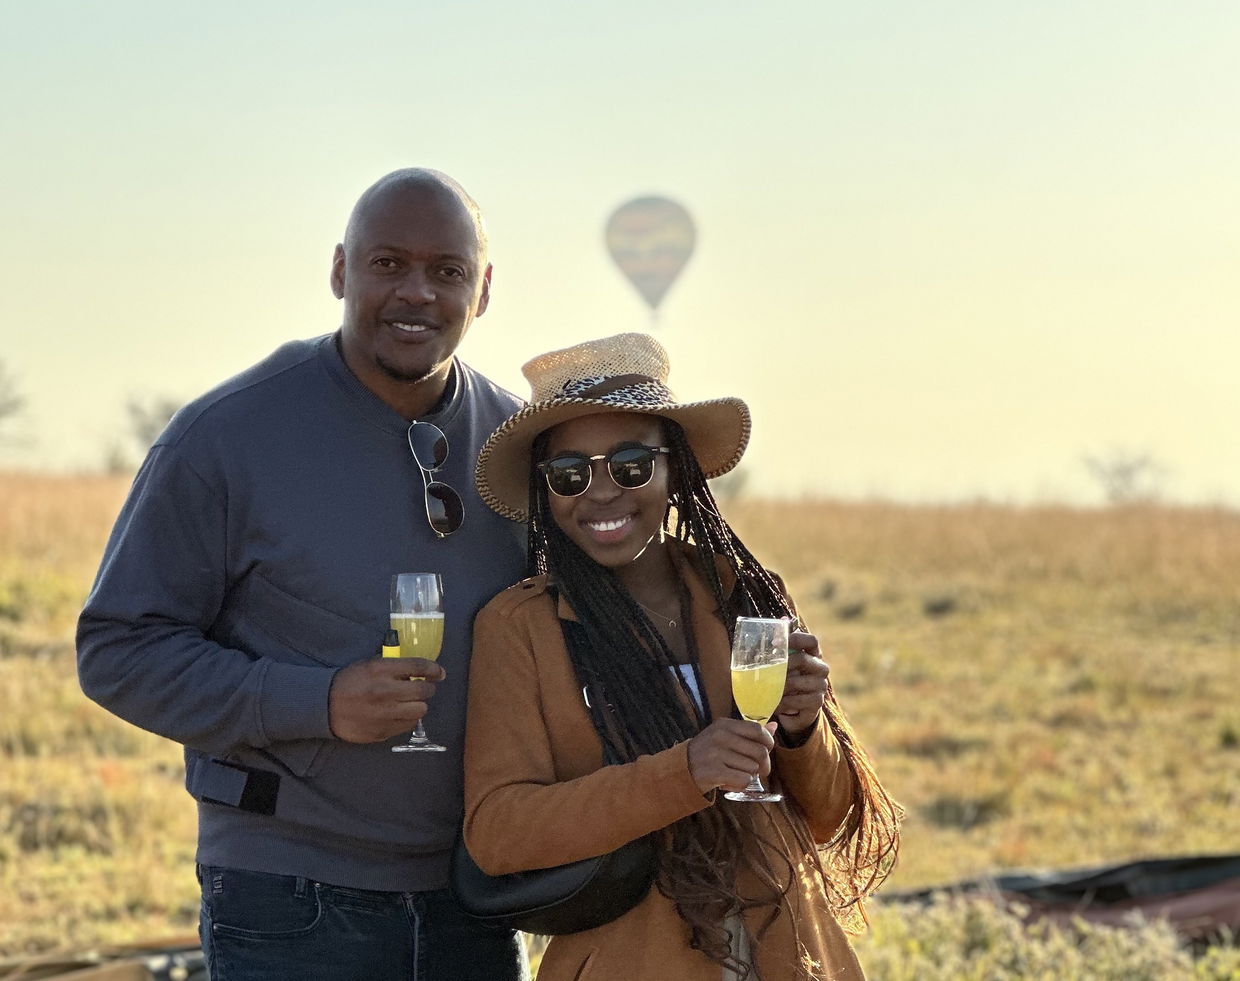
{"x": 429, "y": 447}
{"x": 631, "y": 467}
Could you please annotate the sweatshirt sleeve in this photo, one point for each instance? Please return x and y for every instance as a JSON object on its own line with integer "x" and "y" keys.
{"x": 143, "y": 650}
{"x": 517, "y": 814}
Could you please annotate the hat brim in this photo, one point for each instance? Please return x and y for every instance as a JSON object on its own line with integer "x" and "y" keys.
{"x": 717, "y": 430}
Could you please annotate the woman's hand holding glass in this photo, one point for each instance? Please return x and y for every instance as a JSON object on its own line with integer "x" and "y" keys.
{"x": 804, "y": 689}
{"x": 728, "y": 752}
{"x": 731, "y": 754}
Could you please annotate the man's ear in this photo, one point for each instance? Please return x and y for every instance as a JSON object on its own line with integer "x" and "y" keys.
{"x": 337, "y": 277}
{"x": 484, "y": 297}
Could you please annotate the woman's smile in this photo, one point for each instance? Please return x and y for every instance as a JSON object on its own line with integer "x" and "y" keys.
{"x": 610, "y": 529}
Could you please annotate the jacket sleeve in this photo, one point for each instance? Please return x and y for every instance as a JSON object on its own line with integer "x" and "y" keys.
{"x": 815, "y": 772}
{"x": 143, "y": 650}
{"x": 818, "y": 776}
{"x": 518, "y": 815}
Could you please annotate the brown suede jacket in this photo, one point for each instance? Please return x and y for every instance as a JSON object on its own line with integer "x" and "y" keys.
{"x": 537, "y": 795}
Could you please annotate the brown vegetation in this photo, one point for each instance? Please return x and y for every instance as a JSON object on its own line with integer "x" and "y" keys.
{"x": 1040, "y": 687}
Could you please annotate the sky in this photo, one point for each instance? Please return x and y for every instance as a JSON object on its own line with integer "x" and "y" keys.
{"x": 945, "y": 251}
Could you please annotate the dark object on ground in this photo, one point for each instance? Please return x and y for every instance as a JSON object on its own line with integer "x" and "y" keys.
{"x": 1198, "y": 895}
{"x": 175, "y": 959}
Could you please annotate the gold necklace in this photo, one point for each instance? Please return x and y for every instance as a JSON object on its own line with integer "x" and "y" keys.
{"x": 668, "y": 620}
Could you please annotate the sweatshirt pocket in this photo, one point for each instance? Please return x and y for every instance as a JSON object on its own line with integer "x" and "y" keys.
{"x": 260, "y": 613}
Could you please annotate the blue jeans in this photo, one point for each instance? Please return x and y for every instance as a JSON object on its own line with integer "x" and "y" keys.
{"x": 261, "y": 927}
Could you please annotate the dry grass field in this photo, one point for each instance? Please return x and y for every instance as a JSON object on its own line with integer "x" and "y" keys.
{"x": 1041, "y": 687}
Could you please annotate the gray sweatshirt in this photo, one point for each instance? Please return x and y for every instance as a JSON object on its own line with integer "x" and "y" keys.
{"x": 251, "y": 562}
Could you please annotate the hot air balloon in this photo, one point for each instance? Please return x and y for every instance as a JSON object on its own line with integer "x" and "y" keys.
{"x": 650, "y": 239}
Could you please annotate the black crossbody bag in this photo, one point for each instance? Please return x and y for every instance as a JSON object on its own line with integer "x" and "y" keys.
{"x": 568, "y": 898}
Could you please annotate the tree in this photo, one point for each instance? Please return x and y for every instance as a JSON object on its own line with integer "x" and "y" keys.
{"x": 147, "y": 419}
{"x": 1127, "y": 477}
{"x": 11, "y": 400}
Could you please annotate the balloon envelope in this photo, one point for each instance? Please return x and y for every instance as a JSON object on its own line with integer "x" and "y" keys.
{"x": 651, "y": 239}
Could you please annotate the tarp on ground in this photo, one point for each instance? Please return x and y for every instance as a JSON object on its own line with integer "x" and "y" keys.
{"x": 1198, "y": 895}
{"x": 171, "y": 959}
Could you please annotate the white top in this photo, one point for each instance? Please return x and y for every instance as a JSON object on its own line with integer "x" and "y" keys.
{"x": 687, "y": 672}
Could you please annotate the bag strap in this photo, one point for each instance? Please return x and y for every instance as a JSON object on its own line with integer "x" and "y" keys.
{"x": 595, "y": 697}
{"x": 576, "y": 641}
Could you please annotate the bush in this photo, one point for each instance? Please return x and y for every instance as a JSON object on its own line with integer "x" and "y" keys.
{"x": 971, "y": 939}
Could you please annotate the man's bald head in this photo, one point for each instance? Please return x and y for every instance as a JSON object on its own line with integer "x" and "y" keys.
{"x": 414, "y": 179}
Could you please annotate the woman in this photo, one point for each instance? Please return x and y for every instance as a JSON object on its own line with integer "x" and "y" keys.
{"x": 624, "y": 538}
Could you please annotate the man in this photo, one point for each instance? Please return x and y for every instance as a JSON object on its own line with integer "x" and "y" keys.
{"x": 244, "y": 595}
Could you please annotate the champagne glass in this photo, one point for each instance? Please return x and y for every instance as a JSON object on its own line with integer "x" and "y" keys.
{"x": 417, "y": 618}
{"x": 759, "y": 667}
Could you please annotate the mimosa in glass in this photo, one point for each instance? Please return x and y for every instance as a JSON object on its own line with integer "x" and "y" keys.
{"x": 759, "y": 670}
{"x": 416, "y": 615}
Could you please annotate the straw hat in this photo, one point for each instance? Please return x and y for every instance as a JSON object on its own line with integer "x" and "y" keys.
{"x": 624, "y": 373}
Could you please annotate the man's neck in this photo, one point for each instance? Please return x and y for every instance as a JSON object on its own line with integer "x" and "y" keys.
{"x": 413, "y": 398}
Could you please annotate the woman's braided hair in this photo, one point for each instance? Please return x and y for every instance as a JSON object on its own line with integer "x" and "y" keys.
{"x": 628, "y": 660}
